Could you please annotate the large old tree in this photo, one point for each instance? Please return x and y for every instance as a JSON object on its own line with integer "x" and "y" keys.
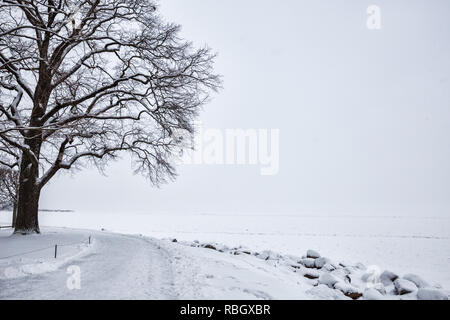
{"x": 83, "y": 81}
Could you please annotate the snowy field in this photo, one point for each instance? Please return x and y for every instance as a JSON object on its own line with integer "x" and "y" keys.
{"x": 419, "y": 245}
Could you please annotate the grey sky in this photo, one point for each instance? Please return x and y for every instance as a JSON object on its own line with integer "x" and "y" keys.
{"x": 364, "y": 115}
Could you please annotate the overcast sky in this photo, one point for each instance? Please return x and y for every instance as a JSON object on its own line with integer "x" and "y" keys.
{"x": 364, "y": 115}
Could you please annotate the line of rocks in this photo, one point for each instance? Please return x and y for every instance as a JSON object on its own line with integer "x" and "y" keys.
{"x": 342, "y": 280}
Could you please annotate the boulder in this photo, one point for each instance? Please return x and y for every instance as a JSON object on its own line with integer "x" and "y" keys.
{"x": 209, "y": 246}
{"x": 387, "y": 277}
{"x": 323, "y": 292}
{"x": 321, "y": 262}
{"x": 269, "y": 255}
{"x": 431, "y": 294}
{"x": 328, "y": 280}
{"x": 312, "y": 254}
{"x": 311, "y": 274}
{"x": 372, "y": 294}
{"x": 403, "y": 286}
{"x": 329, "y": 267}
{"x": 348, "y": 290}
{"x": 418, "y": 281}
{"x": 308, "y": 262}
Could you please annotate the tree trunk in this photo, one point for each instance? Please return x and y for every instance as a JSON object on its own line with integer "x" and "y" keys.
{"x": 14, "y": 215}
{"x": 28, "y": 199}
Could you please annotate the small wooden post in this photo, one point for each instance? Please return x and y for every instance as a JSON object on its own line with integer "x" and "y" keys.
{"x": 56, "y": 250}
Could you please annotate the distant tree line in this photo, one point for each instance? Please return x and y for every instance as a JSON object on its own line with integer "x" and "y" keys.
{"x": 9, "y": 186}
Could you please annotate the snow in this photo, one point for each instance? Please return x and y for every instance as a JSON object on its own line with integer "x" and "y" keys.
{"x": 418, "y": 281}
{"x": 328, "y": 279}
{"x": 35, "y": 254}
{"x": 257, "y": 262}
{"x": 404, "y": 286}
{"x": 431, "y": 294}
{"x": 116, "y": 267}
{"x": 418, "y": 245}
{"x": 312, "y": 254}
{"x": 372, "y": 294}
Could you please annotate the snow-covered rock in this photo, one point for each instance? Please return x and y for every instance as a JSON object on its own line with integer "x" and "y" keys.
{"x": 329, "y": 267}
{"x": 323, "y": 292}
{"x": 311, "y": 274}
{"x": 209, "y": 246}
{"x": 403, "y": 286}
{"x": 387, "y": 277}
{"x": 269, "y": 255}
{"x": 328, "y": 279}
{"x": 308, "y": 262}
{"x": 321, "y": 262}
{"x": 349, "y": 290}
{"x": 418, "y": 281}
{"x": 372, "y": 294}
{"x": 431, "y": 294}
{"x": 312, "y": 254}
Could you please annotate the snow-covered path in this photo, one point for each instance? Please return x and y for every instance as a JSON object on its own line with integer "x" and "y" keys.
{"x": 119, "y": 267}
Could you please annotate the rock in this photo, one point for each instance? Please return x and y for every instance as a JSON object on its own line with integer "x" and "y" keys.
{"x": 418, "y": 281}
{"x": 312, "y": 254}
{"x": 360, "y": 266}
{"x": 308, "y": 262}
{"x": 380, "y": 288}
{"x": 387, "y": 277}
{"x": 296, "y": 265}
{"x": 348, "y": 290}
{"x": 431, "y": 294}
{"x": 269, "y": 255}
{"x": 323, "y": 292}
{"x": 328, "y": 279}
{"x": 328, "y": 267}
{"x": 311, "y": 274}
{"x": 320, "y": 262}
{"x": 403, "y": 286}
{"x": 208, "y": 246}
{"x": 355, "y": 280}
{"x": 372, "y": 294}
{"x": 174, "y": 240}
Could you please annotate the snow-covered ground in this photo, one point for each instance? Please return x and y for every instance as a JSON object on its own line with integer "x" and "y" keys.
{"x": 119, "y": 266}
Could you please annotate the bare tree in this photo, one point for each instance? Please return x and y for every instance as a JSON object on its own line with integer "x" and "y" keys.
{"x": 83, "y": 81}
{"x": 9, "y": 187}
